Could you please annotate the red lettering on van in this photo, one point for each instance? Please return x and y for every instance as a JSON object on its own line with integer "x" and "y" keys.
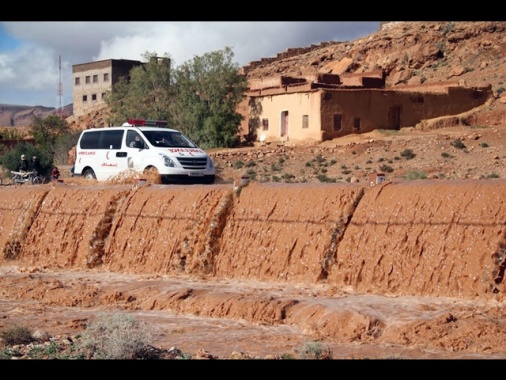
{"x": 185, "y": 150}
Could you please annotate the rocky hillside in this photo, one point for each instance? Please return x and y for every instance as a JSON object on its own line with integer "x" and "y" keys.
{"x": 409, "y": 53}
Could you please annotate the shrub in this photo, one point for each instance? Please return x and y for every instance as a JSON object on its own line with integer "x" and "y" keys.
{"x": 288, "y": 177}
{"x": 324, "y": 178}
{"x": 251, "y": 174}
{"x": 386, "y": 168}
{"x": 320, "y": 159}
{"x": 238, "y": 164}
{"x": 314, "y": 350}
{"x": 446, "y": 155}
{"x": 415, "y": 174}
{"x": 117, "y": 336}
{"x": 458, "y": 144}
{"x": 17, "y": 335}
{"x": 484, "y": 145}
{"x": 408, "y": 154}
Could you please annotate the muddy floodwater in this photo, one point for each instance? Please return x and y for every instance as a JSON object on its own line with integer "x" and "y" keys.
{"x": 407, "y": 269}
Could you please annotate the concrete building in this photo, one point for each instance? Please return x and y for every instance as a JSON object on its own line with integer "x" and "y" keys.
{"x": 93, "y": 80}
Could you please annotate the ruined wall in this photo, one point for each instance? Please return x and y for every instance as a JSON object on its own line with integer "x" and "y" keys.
{"x": 422, "y": 238}
{"x": 372, "y": 107}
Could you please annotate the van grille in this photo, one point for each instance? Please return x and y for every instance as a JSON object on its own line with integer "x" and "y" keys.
{"x": 193, "y": 163}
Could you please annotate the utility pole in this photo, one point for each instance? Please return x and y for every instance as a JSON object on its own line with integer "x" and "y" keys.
{"x": 60, "y": 89}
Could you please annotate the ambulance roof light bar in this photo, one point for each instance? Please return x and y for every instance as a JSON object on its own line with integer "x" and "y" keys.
{"x": 147, "y": 123}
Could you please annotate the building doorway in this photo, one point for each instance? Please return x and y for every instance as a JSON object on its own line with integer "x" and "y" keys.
{"x": 394, "y": 117}
{"x": 284, "y": 123}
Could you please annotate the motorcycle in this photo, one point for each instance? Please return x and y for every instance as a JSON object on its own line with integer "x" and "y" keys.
{"x": 24, "y": 177}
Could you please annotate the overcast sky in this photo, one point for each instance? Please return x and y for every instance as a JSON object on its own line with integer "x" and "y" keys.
{"x": 30, "y": 51}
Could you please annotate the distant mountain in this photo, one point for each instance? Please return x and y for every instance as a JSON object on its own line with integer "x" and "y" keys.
{"x": 19, "y": 116}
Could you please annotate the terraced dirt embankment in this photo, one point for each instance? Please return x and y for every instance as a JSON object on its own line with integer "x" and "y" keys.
{"x": 347, "y": 264}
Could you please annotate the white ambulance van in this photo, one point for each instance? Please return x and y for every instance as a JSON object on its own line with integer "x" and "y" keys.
{"x": 142, "y": 146}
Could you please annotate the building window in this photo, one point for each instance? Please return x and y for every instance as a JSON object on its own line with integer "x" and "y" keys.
{"x": 356, "y": 124}
{"x": 106, "y": 77}
{"x": 85, "y": 98}
{"x": 337, "y": 122}
{"x": 305, "y": 121}
{"x": 95, "y": 78}
{"x": 93, "y": 96}
{"x": 265, "y": 124}
{"x": 78, "y": 81}
{"x": 87, "y": 79}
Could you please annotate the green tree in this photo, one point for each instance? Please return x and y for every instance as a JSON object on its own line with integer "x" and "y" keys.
{"x": 10, "y": 159}
{"x": 48, "y": 131}
{"x": 207, "y": 91}
{"x": 199, "y": 98}
{"x": 145, "y": 95}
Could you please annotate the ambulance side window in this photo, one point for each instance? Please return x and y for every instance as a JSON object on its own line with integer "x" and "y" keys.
{"x": 89, "y": 140}
{"x": 111, "y": 139}
{"x": 102, "y": 140}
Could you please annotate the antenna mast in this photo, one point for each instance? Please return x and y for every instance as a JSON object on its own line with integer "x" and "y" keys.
{"x": 60, "y": 89}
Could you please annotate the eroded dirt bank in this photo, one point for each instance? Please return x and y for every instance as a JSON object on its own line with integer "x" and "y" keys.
{"x": 413, "y": 266}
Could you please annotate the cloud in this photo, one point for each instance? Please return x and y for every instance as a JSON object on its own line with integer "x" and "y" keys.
{"x": 30, "y": 51}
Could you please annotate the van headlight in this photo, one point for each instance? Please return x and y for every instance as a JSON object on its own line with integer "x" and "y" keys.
{"x": 167, "y": 161}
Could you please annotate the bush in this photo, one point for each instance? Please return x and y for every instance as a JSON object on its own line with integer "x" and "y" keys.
{"x": 408, "y": 154}
{"x": 117, "y": 336}
{"x": 458, "y": 144}
{"x": 324, "y": 178}
{"x": 415, "y": 174}
{"x": 17, "y": 335}
{"x": 386, "y": 168}
{"x": 11, "y": 158}
{"x": 315, "y": 350}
